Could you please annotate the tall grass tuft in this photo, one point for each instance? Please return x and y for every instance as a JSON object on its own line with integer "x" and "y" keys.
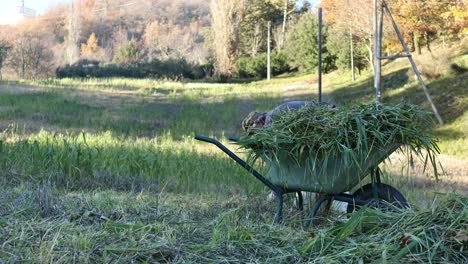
{"x": 103, "y": 160}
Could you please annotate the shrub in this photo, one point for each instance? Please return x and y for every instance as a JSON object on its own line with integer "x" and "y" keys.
{"x": 256, "y": 67}
{"x": 127, "y": 54}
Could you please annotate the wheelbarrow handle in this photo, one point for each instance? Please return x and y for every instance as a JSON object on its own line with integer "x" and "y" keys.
{"x": 241, "y": 162}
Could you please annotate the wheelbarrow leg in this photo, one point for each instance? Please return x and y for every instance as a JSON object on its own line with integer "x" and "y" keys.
{"x": 300, "y": 201}
{"x": 315, "y": 209}
{"x": 279, "y": 209}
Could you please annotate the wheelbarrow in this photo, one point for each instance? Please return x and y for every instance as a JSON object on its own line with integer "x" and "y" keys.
{"x": 331, "y": 178}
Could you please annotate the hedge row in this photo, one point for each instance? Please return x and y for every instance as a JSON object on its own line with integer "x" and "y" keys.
{"x": 169, "y": 69}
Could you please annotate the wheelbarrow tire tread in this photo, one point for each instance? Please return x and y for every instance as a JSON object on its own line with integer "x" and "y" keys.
{"x": 385, "y": 192}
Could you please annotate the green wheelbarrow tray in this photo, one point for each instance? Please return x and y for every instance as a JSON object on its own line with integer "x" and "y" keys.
{"x": 333, "y": 175}
{"x": 331, "y": 178}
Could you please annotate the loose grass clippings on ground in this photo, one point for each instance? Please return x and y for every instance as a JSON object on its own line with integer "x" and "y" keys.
{"x": 434, "y": 235}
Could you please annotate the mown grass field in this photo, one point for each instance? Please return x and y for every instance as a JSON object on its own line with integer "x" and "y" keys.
{"x": 107, "y": 170}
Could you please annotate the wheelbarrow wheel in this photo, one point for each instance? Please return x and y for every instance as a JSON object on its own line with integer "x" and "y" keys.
{"x": 385, "y": 192}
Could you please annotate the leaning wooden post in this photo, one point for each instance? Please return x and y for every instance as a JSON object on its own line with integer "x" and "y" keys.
{"x": 413, "y": 64}
{"x": 269, "y": 52}
{"x": 320, "y": 54}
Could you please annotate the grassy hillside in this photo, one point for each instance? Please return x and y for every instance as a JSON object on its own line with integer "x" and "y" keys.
{"x": 107, "y": 170}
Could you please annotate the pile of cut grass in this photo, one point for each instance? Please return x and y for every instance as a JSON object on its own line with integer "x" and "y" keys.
{"x": 42, "y": 224}
{"x": 434, "y": 235}
{"x": 354, "y": 133}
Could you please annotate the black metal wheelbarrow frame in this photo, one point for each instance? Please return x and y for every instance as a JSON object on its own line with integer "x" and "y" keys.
{"x": 281, "y": 190}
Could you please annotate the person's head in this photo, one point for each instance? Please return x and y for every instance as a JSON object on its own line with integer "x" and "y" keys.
{"x": 253, "y": 120}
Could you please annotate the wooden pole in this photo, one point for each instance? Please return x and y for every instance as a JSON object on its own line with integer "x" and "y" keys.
{"x": 379, "y": 54}
{"x": 269, "y": 52}
{"x": 353, "y": 76}
{"x": 413, "y": 64}
{"x": 320, "y": 54}
{"x": 377, "y": 65}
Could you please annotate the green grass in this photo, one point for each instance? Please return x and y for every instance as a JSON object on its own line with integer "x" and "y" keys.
{"x": 107, "y": 170}
{"x": 86, "y": 161}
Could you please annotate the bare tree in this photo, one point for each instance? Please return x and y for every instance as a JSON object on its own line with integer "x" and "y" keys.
{"x": 4, "y": 47}
{"x": 30, "y": 57}
{"x": 353, "y": 15}
{"x": 226, "y": 18}
{"x": 73, "y": 52}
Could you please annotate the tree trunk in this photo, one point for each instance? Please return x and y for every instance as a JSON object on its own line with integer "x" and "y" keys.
{"x": 72, "y": 49}
{"x": 370, "y": 57}
{"x": 255, "y": 40}
{"x": 427, "y": 41}
{"x": 417, "y": 44}
{"x": 283, "y": 31}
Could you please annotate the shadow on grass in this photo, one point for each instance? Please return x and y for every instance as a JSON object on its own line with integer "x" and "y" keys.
{"x": 356, "y": 92}
{"x": 131, "y": 114}
{"x": 396, "y": 79}
{"x": 146, "y": 115}
{"x": 448, "y": 93}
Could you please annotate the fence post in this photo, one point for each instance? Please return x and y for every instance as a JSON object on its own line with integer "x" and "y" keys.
{"x": 320, "y": 54}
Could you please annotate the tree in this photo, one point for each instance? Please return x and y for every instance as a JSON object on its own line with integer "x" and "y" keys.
{"x": 168, "y": 40}
{"x": 92, "y": 50}
{"x": 287, "y": 7}
{"x": 254, "y": 25}
{"x": 72, "y": 51}
{"x": 30, "y": 57}
{"x": 91, "y": 45}
{"x": 301, "y": 47}
{"x": 226, "y": 18}
{"x": 456, "y": 19}
{"x": 419, "y": 20}
{"x": 4, "y": 48}
{"x": 128, "y": 54}
{"x": 354, "y": 16}
{"x": 339, "y": 46}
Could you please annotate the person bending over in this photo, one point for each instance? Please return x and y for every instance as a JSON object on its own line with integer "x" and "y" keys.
{"x": 257, "y": 119}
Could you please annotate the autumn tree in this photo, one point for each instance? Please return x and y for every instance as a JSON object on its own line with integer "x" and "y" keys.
{"x": 91, "y": 49}
{"x": 419, "y": 21}
{"x": 227, "y": 16}
{"x": 456, "y": 19}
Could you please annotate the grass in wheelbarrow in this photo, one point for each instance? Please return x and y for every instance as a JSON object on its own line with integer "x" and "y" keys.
{"x": 352, "y": 132}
